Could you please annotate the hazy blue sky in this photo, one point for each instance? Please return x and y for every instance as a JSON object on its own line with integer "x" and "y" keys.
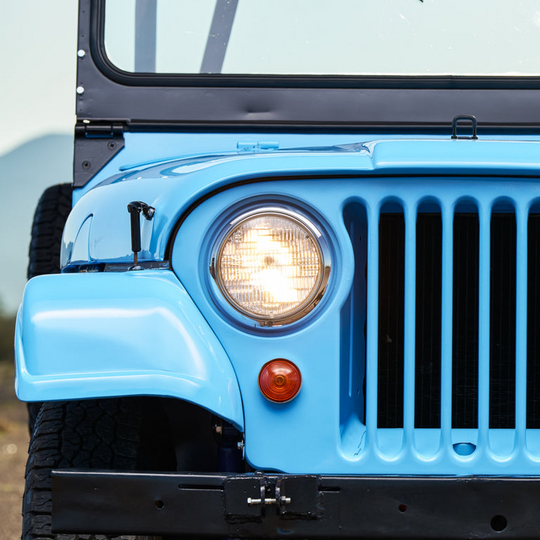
{"x": 38, "y": 40}
{"x": 37, "y": 62}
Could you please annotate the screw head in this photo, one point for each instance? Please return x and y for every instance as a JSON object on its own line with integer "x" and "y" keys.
{"x": 86, "y": 165}
{"x": 80, "y": 90}
{"x": 111, "y": 145}
{"x": 81, "y": 53}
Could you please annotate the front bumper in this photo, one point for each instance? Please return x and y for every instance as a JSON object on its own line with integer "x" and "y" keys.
{"x": 294, "y": 506}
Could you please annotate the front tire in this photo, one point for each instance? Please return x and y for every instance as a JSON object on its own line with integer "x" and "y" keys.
{"x": 109, "y": 434}
{"x": 50, "y": 217}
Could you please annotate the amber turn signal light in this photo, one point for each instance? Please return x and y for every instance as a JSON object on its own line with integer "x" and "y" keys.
{"x": 280, "y": 380}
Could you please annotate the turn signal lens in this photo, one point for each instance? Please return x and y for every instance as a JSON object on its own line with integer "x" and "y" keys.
{"x": 280, "y": 380}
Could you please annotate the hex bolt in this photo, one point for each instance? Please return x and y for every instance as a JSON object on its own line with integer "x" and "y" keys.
{"x": 81, "y": 53}
{"x": 80, "y": 90}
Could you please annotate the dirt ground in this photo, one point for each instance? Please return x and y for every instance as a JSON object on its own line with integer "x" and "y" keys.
{"x": 13, "y": 451}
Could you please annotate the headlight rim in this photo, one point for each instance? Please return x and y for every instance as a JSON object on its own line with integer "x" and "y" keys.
{"x": 308, "y": 223}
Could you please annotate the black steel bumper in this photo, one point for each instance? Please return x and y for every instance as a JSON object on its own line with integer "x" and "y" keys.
{"x": 294, "y": 506}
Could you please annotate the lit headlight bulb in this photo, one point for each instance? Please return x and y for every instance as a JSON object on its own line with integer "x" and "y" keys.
{"x": 270, "y": 266}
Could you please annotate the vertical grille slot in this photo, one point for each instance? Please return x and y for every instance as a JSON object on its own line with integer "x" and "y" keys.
{"x": 533, "y": 321}
{"x": 428, "y": 320}
{"x": 502, "y": 380}
{"x": 465, "y": 319}
{"x": 391, "y": 319}
{"x": 354, "y": 320}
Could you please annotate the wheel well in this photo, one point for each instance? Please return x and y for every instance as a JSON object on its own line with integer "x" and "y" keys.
{"x": 189, "y": 435}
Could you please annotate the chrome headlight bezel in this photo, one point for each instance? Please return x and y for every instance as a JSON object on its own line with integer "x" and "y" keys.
{"x": 301, "y": 220}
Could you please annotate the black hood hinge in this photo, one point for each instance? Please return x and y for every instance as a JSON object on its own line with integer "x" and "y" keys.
{"x": 96, "y": 143}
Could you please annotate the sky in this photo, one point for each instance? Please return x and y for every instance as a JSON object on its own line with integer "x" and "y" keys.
{"x": 38, "y": 46}
{"x": 37, "y": 59}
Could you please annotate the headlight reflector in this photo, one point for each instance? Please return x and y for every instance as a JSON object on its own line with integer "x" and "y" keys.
{"x": 271, "y": 266}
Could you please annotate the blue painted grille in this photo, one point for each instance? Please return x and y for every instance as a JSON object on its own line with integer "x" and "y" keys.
{"x": 446, "y": 315}
{"x": 464, "y": 319}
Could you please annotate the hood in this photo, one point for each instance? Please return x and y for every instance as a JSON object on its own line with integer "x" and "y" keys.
{"x": 173, "y": 187}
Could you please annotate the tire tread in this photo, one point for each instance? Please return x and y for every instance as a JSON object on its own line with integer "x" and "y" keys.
{"x": 92, "y": 434}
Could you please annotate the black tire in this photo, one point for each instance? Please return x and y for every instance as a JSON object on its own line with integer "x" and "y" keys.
{"x": 50, "y": 218}
{"x": 104, "y": 434}
{"x": 44, "y": 253}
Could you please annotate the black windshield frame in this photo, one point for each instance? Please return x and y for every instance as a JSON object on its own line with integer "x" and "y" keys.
{"x": 206, "y": 101}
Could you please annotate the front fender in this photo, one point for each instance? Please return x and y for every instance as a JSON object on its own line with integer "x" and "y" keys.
{"x": 116, "y": 334}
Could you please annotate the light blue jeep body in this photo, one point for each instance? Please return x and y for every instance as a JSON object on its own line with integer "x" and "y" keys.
{"x": 166, "y": 331}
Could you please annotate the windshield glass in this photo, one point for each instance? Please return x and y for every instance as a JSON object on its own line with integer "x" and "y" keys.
{"x": 321, "y": 37}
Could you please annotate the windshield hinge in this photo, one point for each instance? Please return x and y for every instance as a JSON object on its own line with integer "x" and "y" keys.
{"x": 95, "y": 145}
{"x": 107, "y": 130}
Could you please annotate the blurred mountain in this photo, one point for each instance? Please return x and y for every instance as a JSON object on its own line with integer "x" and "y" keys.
{"x": 25, "y": 172}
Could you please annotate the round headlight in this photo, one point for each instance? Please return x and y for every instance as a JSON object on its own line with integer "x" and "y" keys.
{"x": 272, "y": 266}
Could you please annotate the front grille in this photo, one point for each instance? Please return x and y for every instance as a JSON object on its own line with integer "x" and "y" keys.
{"x": 465, "y": 321}
{"x": 445, "y": 319}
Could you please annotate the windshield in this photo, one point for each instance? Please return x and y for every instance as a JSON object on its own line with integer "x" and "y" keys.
{"x": 321, "y": 37}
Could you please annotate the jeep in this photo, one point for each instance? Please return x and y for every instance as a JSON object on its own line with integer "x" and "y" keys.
{"x": 292, "y": 290}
